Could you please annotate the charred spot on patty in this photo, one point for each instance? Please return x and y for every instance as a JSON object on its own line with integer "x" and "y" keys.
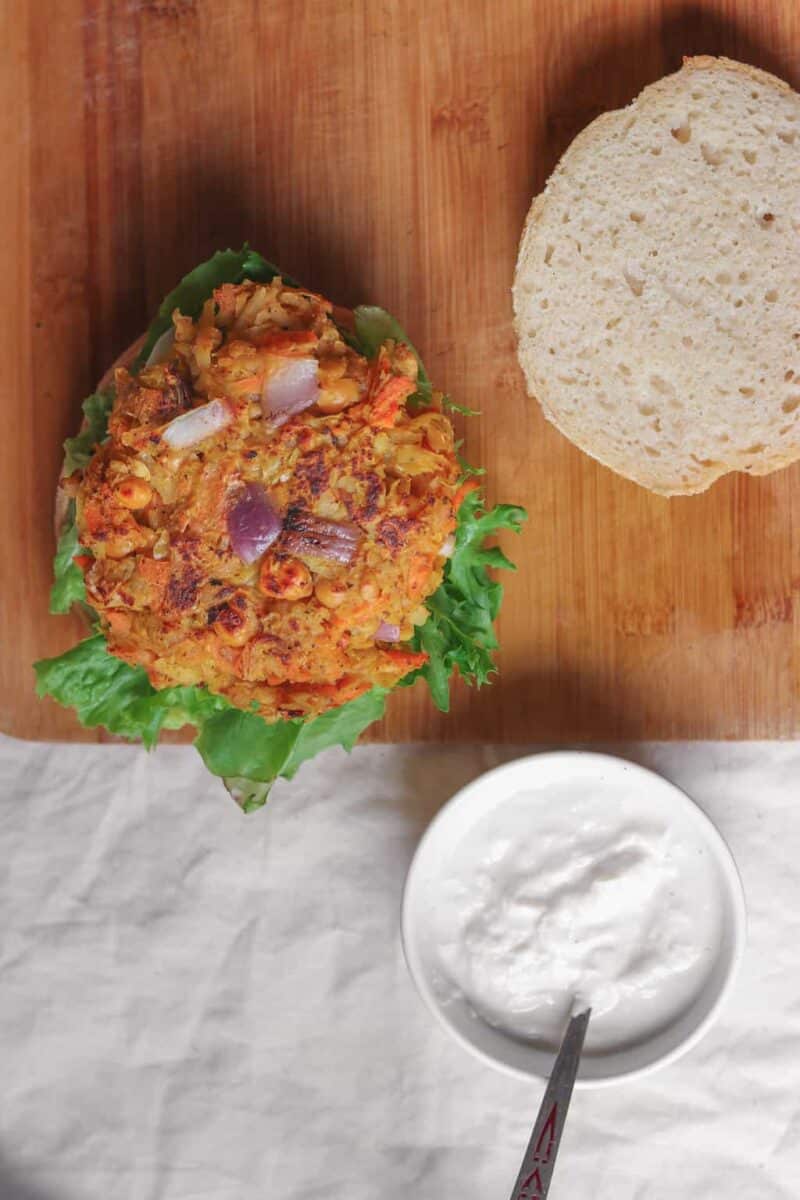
{"x": 232, "y": 617}
{"x": 393, "y": 531}
{"x": 372, "y": 497}
{"x": 312, "y": 470}
{"x": 187, "y": 546}
{"x": 182, "y": 588}
{"x": 364, "y": 499}
{"x": 212, "y": 616}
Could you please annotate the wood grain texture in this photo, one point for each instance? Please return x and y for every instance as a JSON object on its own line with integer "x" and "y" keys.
{"x": 384, "y": 152}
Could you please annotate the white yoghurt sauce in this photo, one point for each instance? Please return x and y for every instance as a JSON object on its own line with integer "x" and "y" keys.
{"x": 575, "y": 892}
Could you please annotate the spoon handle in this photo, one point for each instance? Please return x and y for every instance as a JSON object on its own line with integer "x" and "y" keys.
{"x": 533, "y": 1181}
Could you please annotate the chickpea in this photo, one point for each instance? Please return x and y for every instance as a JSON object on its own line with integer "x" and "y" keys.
{"x": 116, "y": 547}
{"x": 133, "y": 492}
{"x": 234, "y": 622}
{"x": 330, "y": 592}
{"x": 285, "y": 579}
{"x": 369, "y": 588}
{"x": 339, "y": 394}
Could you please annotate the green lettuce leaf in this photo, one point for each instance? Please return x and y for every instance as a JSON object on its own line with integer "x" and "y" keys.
{"x": 249, "y": 754}
{"x": 243, "y": 749}
{"x": 226, "y": 266}
{"x": 103, "y": 690}
{"x": 467, "y": 470}
{"x": 68, "y": 586}
{"x": 459, "y": 634}
{"x": 451, "y": 406}
{"x": 78, "y": 450}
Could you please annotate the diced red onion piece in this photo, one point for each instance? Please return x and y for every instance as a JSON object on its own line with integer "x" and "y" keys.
{"x": 334, "y": 540}
{"x": 291, "y": 389}
{"x": 448, "y": 546}
{"x": 197, "y": 424}
{"x": 162, "y": 349}
{"x": 253, "y": 523}
{"x": 387, "y": 633}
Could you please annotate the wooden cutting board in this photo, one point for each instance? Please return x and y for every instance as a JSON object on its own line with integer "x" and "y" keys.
{"x": 387, "y": 152}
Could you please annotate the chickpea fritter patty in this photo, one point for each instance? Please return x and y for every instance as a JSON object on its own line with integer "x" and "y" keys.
{"x": 267, "y": 517}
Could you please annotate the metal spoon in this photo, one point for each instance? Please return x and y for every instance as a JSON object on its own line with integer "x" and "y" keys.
{"x": 533, "y": 1181}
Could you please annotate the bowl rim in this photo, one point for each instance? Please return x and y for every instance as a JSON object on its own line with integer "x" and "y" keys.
{"x": 713, "y": 839}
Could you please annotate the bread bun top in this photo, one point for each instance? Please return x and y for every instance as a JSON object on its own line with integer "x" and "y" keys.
{"x": 657, "y": 295}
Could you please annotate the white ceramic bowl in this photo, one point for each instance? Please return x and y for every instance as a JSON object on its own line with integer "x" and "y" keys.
{"x": 471, "y": 804}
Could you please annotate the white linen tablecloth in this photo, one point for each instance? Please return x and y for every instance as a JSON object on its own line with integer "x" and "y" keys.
{"x": 194, "y": 1003}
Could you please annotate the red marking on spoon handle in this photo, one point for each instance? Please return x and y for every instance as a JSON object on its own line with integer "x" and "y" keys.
{"x": 533, "y": 1181}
